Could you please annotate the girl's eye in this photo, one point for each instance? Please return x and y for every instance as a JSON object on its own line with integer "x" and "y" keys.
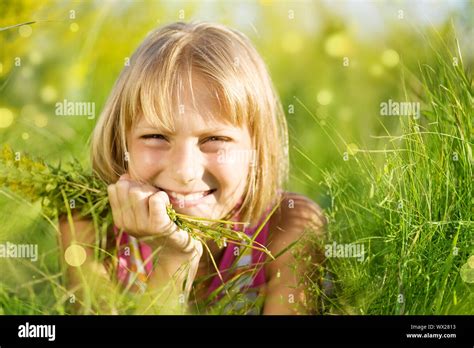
{"x": 153, "y": 136}
{"x": 217, "y": 139}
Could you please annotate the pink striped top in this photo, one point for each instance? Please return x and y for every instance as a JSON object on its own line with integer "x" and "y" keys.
{"x": 252, "y": 259}
{"x": 134, "y": 261}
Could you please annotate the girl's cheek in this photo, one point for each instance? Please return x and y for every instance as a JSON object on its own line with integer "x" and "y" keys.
{"x": 229, "y": 171}
{"x": 232, "y": 156}
{"x": 146, "y": 161}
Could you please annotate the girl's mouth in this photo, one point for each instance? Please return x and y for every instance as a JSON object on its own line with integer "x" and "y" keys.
{"x": 188, "y": 199}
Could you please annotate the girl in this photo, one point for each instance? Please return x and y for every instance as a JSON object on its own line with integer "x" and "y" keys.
{"x": 194, "y": 121}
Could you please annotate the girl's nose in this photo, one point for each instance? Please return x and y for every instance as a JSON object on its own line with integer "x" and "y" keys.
{"x": 185, "y": 165}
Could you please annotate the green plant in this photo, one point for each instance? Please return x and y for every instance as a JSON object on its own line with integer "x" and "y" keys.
{"x": 410, "y": 204}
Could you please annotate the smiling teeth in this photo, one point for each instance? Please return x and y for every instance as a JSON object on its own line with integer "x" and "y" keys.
{"x": 188, "y": 198}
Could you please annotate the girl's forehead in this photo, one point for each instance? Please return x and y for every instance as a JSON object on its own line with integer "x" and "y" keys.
{"x": 191, "y": 100}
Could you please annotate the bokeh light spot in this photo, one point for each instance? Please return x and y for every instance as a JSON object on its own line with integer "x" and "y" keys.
{"x": 376, "y": 70}
{"x": 390, "y": 58}
{"x": 25, "y": 30}
{"x": 467, "y": 273}
{"x": 36, "y": 57}
{"x": 74, "y": 27}
{"x": 49, "y": 94}
{"x": 292, "y": 42}
{"x": 325, "y": 97}
{"x": 337, "y": 45}
{"x": 6, "y": 117}
{"x": 470, "y": 261}
{"x": 75, "y": 255}
{"x": 40, "y": 120}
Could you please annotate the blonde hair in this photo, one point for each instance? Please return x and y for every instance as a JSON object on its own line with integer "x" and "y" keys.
{"x": 234, "y": 72}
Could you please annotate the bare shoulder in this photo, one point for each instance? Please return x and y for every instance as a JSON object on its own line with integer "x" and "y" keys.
{"x": 296, "y": 218}
{"x": 77, "y": 230}
{"x": 296, "y": 215}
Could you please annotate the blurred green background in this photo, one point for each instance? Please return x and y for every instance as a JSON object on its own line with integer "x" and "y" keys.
{"x": 334, "y": 61}
{"x": 339, "y": 59}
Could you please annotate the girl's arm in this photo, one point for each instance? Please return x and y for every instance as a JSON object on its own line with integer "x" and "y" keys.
{"x": 85, "y": 283}
{"x": 140, "y": 209}
{"x": 298, "y": 215}
{"x": 91, "y": 288}
{"x": 169, "y": 284}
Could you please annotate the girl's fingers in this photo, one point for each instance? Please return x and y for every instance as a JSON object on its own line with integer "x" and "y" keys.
{"x": 139, "y": 198}
{"x": 141, "y": 209}
{"x": 128, "y": 217}
{"x": 159, "y": 219}
{"x": 180, "y": 239}
{"x": 114, "y": 203}
{"x": 185, "y": 242}
{"x": 189, "y": 244}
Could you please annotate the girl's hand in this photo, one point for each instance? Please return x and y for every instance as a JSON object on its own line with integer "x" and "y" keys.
{"x": 140, "y": 210}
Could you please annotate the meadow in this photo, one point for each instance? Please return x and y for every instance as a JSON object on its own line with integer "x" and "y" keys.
{"x": 394, "y": 179}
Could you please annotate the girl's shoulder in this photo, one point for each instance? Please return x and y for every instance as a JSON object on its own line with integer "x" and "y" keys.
{"x": 297, "y": 217}
{"x": 297, "y": 214}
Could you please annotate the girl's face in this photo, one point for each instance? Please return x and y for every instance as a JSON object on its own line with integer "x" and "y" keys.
{"x": 203, "y": 165}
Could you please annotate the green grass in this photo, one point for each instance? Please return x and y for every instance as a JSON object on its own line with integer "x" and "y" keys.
{"x": 409, "y": 203}
{"x": 407, "y": 198}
